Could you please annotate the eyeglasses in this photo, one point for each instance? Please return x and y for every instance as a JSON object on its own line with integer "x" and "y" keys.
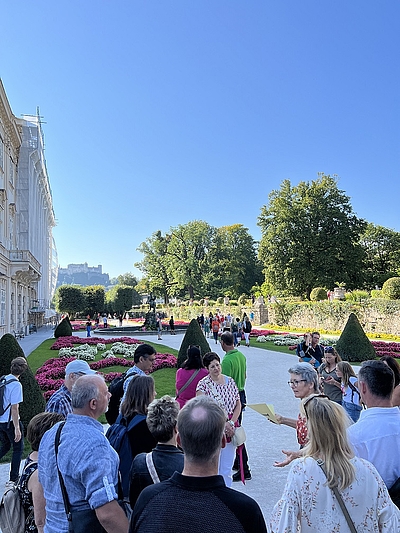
{"x": 295, "y": 382}
{"x": 308, "y": 400}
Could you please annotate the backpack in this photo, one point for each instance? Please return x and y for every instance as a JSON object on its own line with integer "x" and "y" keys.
{"x": 3, "y": 383}
{"x": 12, "y": 514}
{"x": 117, "y": 436}
{"x": 116, "y": 389}
{"x": 234, "y": 328}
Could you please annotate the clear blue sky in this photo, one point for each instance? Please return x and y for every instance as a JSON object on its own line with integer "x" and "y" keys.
{"x": 161, "y": 112}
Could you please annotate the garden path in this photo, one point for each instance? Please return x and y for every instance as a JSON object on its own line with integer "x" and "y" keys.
{"x": 266, "y": 382}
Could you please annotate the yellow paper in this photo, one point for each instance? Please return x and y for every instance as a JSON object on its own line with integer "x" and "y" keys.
{"x": 265, "y": 410}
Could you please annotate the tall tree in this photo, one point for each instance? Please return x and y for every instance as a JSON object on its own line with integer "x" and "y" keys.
{"x": 69, "y": 299}
{"x": 119, "y": 299}
{"x": 154, "y": 265}
{"x": 234, "y": 265}
{"x": 382, "y": 255}
{"x": 310, "y": 237}
{"x": 127, "y": 279}
{"x": 187, "y": 252}
{"x": 94, "y": 299}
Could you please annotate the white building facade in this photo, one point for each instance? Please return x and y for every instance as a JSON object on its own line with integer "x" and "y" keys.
{"x": 27, "y": 250}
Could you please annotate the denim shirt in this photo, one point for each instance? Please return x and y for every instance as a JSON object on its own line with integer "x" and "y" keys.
{"x": 88, "y": 464}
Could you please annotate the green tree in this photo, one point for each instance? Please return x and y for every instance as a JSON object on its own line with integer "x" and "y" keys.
{"x": 391, "y": 288}
{"x": 382, "y": 254}
{"x": 119, "y": 299}
{"x": 94, "y": 299}
{"x": 154, "y": 265}
{"x": 310, "y": 237}
{"x": 33, "y": 403}
{"x": 234, "y": 265}
{"x": 69, "y": 299}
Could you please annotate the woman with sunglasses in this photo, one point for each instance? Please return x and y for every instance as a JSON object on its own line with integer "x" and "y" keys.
{"x": 188, "y": 376}
{"x": 308, "y": 502}
{"x": 304, "y": 383}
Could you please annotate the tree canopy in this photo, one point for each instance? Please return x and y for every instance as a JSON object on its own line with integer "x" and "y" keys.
{"x": 197, "y": 260}
{"x": 310, "y": 237}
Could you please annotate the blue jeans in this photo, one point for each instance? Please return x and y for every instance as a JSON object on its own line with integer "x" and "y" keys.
{"x": 352, "y": 410}
{"x": 7, "y": 435}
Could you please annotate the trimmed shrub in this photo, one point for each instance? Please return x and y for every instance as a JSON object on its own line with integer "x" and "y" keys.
{"x": 193, "y": 337}
{"x": 242, "y": 299}
{"x": 34, "y": 402}
{"x": 353, "y": 344}
{"x": 63, "y": 329}
{"x": 376, "y": 293}
{"x": 357, "y": 296}
{"x": 391, "y": 288}
{"x": 220, "y": 300}
{"x": 318, "y": 294}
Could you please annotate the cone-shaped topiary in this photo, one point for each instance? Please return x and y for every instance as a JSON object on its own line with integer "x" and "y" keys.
{"x": 63, "y": 329}
{"x": 193, "y": 337}
{"x": 353, "y": 344}
{"x": 34, "y": 402}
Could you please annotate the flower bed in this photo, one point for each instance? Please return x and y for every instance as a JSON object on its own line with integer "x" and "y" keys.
{"x": 50, "y": 376}
{"x": 68, "y": 342}
{"x": 386, "y": 348}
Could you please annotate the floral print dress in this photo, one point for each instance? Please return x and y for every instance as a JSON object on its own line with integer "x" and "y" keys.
{"x": 309, "y": 505}
{"x": 26, "y": 496}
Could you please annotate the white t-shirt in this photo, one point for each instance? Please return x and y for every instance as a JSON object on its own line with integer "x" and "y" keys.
{"x": 348, "y": 393}
{"x": 12, "y": 395}
{"x": 376, "y": 438}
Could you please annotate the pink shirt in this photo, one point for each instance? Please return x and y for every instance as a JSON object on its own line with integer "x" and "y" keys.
{"x": 182, "y": 377}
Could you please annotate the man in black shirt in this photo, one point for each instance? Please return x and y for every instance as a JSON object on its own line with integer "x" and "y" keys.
{"x": 197, "y": 500}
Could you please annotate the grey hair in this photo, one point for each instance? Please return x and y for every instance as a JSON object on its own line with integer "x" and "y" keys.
{"x": 85, "y": 389}
{"x": 161, "y": 418}
{"x": 307, "y": 372}
{"x": 201, "y": 424}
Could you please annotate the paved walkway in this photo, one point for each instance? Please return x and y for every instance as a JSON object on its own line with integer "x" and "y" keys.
{"x": 266, "y": 382}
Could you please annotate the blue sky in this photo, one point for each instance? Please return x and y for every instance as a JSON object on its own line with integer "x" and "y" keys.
{"x": 162, "y": 112}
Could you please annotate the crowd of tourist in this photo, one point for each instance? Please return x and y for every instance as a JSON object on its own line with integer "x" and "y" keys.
{"x": 166, "y": 464}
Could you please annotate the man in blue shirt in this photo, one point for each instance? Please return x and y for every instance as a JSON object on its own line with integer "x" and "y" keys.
{"x": 144, "y": 357}
{"x": 60, "y": 402}
{"x": 87, "y": 462}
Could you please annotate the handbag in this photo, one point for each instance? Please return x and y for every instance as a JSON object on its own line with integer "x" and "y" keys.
{"x": 84, "y": 520}
{"x": 239, "y": 437}
{"x": 343, "y": 507}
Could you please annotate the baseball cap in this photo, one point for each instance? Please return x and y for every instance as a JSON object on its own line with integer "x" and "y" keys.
{"x": 78, "y": 366}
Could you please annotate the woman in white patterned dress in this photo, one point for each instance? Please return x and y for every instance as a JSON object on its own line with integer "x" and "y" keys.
{"x": 224, "y": 391}
{"x": 308, "y": 503}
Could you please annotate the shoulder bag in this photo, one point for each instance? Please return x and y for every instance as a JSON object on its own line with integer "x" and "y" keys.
{"x": 343, "y": 507}
{"x": 186, "y": 385}
{"x": 82, "y": 521}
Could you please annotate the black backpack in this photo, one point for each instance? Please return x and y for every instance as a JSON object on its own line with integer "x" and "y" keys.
{"x": 3, "y": 383}
{"x": 116, "y": 389}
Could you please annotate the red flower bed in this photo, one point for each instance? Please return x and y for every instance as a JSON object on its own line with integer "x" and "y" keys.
{"x": 386, "y": 348}
{"x": 68, "y": 342}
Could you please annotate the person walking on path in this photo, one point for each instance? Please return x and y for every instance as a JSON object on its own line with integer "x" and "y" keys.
{"x": 247, "y": 330}
{"x": 11, "y": 430}
{"x": 234, "y": 366}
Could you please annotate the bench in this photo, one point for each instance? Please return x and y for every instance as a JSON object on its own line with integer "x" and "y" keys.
{"x": 18, "y": 334}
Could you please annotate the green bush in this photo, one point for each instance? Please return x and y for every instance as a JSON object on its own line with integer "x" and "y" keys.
{"x": 63, "y": 329}
{"x": 353, "y": 344}
{"x": 391, "y": 288}
{"x": 220, "y": 300}
{"x": 193, "y": 337}
{"x": 242, "y": 299}
{"x": 375, "y": 293}
{"x": 318, "y": 294}
{"x": 33, "y": 398}
{"x": 357, "y": 296}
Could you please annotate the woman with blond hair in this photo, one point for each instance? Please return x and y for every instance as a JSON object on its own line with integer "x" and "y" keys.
{"x": 351, "y": 395}
{"x": 329, "y": 473}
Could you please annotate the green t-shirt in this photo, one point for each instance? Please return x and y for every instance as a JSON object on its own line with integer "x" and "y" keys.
{"x": 234, "y": 365}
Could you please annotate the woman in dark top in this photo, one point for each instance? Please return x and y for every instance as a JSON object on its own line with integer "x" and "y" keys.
{"x": 139, "y": 395}
{"x": 330, "y": 381}
{"x": 29, "y": 487}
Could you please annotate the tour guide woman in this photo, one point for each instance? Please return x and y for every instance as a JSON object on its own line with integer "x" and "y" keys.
{"x": 308, "y": 503}
{"x": 224, "y": 391}
{"x": 303, "y": 382}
